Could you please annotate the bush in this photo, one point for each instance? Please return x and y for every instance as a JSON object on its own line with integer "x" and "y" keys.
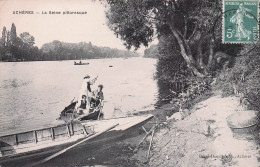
{"x": 243, "y": 78}
{"x": 195, "y": 88}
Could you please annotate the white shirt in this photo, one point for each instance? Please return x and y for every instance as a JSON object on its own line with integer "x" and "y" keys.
{"x": 83, "y": 90}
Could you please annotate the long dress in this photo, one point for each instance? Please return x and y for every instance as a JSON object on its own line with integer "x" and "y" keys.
{"x": 241, "y": 31}
{"x": 83, "y": 89}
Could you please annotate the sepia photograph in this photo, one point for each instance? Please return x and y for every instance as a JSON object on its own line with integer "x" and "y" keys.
{"x": 129, "y": 83}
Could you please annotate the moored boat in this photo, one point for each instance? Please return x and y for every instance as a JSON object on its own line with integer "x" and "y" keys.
{"x": 42, "y": 142}
{"x": 68, "y": 113}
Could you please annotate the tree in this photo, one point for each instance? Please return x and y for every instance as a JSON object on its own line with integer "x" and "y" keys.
{"x": 8, "y": 41}
{"x": 26, "y": 48}
{"x": 171, "y": 66}
{"x": 3, "y": 43}
{"x": 16, "y": 49}
{"x": 82, "y": 50}
{"x": 4, "y": 36}
{"x": 190, "y": 22}
{"x": 27, "y": 38}
{"x": 13, "y": 35}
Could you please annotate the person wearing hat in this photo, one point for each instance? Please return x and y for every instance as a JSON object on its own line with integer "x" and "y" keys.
{"x": 86, "y": 89}
{"x": 83, "y": 88}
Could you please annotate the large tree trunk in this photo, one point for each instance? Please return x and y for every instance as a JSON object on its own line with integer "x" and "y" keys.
{"x": 186, "y": 54}
{"x": 200, "y": 62}
{"x": 200, "y": 54}
{"x": 211, "y": 53}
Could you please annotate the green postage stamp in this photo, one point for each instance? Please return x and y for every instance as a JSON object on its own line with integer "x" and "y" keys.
{"x": 240, "y": 21}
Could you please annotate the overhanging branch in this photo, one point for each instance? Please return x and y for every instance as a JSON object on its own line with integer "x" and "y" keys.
{"x": 193, "y": 32}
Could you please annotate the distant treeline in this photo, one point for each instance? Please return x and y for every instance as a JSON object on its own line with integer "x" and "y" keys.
{"x": 21, "y": 48}
{"x": 57, "y": 50}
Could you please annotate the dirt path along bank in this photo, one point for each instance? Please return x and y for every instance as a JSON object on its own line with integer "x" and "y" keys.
{"x": 202, "y": 139}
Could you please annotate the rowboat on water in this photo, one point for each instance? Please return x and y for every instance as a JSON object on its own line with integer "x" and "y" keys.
{"x": 40, "y": 143}
{"x": 80, "y": 63}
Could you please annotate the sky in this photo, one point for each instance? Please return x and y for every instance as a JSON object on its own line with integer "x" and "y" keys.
{"x": 72, "y": 28}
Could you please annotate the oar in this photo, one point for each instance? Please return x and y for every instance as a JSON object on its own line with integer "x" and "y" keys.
{"x": 74, "y": 145}
{"x": 72, "y": 100}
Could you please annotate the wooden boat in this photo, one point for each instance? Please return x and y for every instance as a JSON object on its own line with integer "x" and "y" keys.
{"x": 80, "y": 63}
{"x": 43, "y": 142}
{"x": 67, "y": 114}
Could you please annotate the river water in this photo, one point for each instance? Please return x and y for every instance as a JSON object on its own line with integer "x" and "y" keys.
{"x": 32, "y": 94}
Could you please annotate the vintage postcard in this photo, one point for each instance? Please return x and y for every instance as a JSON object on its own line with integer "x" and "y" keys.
{"x": 129, "y": 83}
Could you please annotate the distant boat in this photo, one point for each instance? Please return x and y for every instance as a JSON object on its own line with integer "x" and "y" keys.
{"x": 110, "y": 66}
{"x": 80, "y": 63}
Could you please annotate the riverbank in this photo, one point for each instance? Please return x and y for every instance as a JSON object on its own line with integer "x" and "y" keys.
{"x": 204, "y": 139}
{"x": 200, "y": 139}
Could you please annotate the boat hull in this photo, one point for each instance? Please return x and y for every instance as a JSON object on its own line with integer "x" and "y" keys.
{"x": 67, "y": 114}
{"x": 125, "y": 128}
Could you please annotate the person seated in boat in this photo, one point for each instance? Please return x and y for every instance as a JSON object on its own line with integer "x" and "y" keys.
{"x": 98, "y": 97}
{"x": 80, "y": 62}
{"x": 82, "y": 107}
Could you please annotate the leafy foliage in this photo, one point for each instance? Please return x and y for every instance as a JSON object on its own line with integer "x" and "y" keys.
{"x": 243, "y": 79}
{"x": 151, "y": 52}
{"x": 57, "y": 50}
{"x": 196, "y": 90}
{"x": 171, "y": 67}
{"x": 189, "y": 33}
{"x": 192, "y": 23}
{"x": 13, "y": 48}
{"x": 129, "y": 20}
{"x": 27, "y": 38}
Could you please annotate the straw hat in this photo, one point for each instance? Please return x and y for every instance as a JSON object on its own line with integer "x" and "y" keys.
{"x": 87, "y": 77}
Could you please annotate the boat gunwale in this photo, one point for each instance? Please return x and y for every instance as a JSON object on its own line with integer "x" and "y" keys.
{"x": 83, "y": 123}
{"x": 147, "y": 115}
{"x": 15, "y": 156}
{"x": 60, "y": 125}
{"x": 76, "y": 122}
{"x": 28, "y": 145}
